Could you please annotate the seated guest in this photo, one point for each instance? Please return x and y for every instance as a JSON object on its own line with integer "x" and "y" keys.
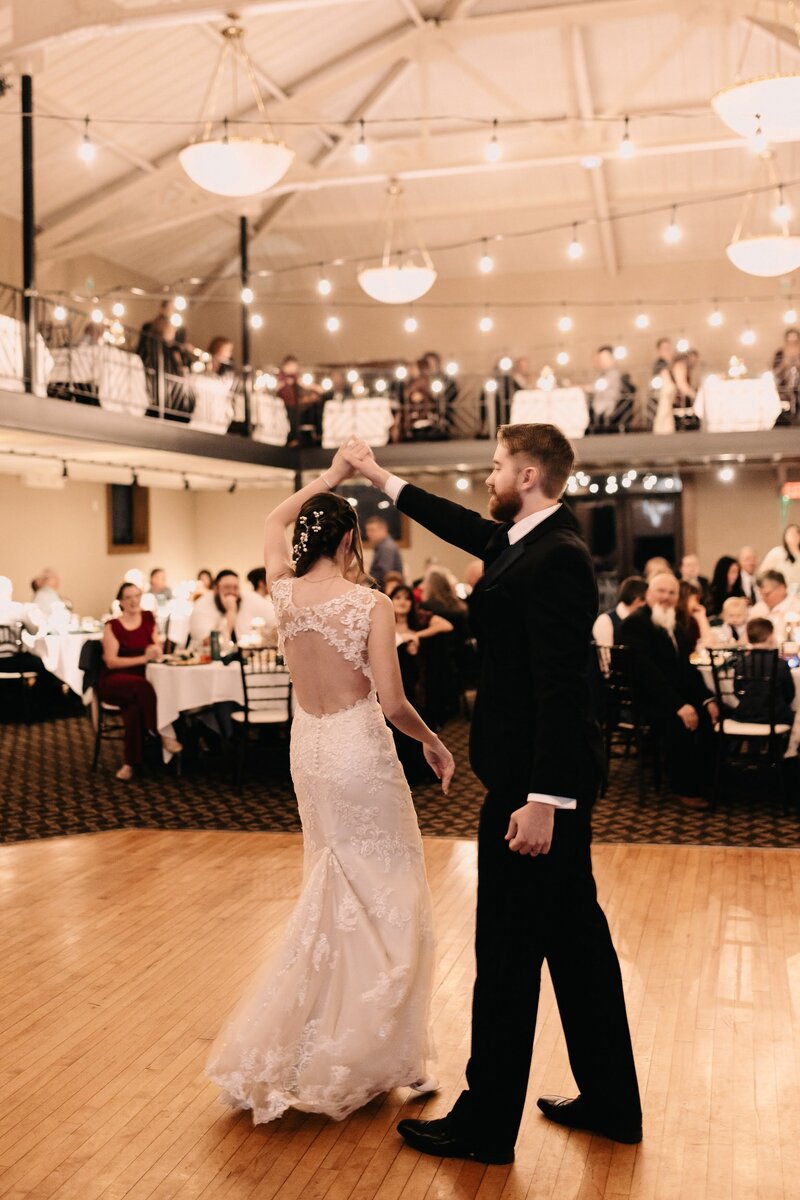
{"x": 205, "y": 582}
{"x": 725, "y": 582}
{"x": 298, "y": 399}
{"x": 472, "y": 573}
{"x": 775, "y": 603}
{"x": 690, "y": 571}
{"x": 691, "y": 615}
{"x": 159, "y": 587}
{"x": 734, "y": 622}
{"x": 340, "y": 389}
{"x": 391, "y": 580}
{"x": 230, "y": 613}
{"x": 448, "y": 658}
{"x": 417, "y": 420}
{"x": 45, "y": 590}
{"x": 18, "y": 618}
{"x": 747, "y": 574}
{"x": 386, "y": 553}
{"x": 785, "y": 558}
{"x": 606, "y": 391}
{"x": 630, "y": 596}
{"x": 673, "y": 696}
{"x": 257, "y": 578}
{"x": 166, "y": 310}
{"x": 786, "y": 372}
{"x": 656, "y": 566}
{"x": 754, "y": 703}
{"x": 129, "y": 644}
{"x": 220, "y": 352}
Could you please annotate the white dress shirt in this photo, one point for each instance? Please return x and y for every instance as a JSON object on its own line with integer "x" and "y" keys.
{"x": 776, "y": 615}
{"x": 603, "y": 630}
{"x": 393, "y": 487}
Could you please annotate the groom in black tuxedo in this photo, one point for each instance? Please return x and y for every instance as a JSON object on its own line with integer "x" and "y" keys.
{"x": 535, "y": 747}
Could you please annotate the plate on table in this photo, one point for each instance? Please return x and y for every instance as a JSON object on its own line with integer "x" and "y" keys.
{"x": 169, "y": 661}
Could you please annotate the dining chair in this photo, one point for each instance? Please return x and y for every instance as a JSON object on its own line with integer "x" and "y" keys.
{"x": 267, "y": 699}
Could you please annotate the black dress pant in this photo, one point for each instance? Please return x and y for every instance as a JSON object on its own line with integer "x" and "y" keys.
{"x": 688, "y": 754}
{"x": 529, "y": 910}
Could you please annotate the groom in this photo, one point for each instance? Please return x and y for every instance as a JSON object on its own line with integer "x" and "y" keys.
{"x": 536, "y": 749}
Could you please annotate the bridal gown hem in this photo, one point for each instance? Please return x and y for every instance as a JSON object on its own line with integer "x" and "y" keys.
{"x": 340, "y": 1014}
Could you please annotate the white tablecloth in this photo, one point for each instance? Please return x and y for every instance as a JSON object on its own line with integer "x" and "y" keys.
{"x": 12, "y": 370}
{"x": 794, "y": 736}
{"x": 181, "y": 688}
{"x": 565, "y": 407}
{"x": 213, "y": 403}
{"x": 117, "y": 376}
{"x": 61, "y": 652}
{"x": 368, "y": 417}
{"x": 733, "y": 405}
{"x": 270, "y": 420}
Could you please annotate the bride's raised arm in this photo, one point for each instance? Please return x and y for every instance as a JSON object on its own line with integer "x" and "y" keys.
{"x": 276, "y": 551}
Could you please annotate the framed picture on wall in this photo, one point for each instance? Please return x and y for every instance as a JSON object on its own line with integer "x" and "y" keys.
{"x": 127, "y": 518}
{"x": 372, "y": 503}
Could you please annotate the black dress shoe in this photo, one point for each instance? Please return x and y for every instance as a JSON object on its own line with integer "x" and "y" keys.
{"x": 576, "y": 1114}
{"x": 439, "y": 1138}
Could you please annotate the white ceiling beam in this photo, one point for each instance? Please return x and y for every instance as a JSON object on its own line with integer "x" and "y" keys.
{"x": 455, "y": 9}
{"x": 413, "y": 12}
{"x": 115, "y": 232}
{"x": 37, "y": 26}
{"x": 641, "y": 77}
{"x": 65, "y": 223}
{"x": 783, "y": 33}
{"x": 578, "y": 73}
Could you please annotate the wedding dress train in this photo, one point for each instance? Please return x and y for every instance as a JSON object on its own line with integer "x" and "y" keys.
{"x": 341, "y": 1012}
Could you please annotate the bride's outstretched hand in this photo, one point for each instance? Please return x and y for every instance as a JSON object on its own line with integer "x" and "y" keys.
{"x": 440, "y": 760}
{"x": 359, "y": 455}
{"x": 341, "y": 467}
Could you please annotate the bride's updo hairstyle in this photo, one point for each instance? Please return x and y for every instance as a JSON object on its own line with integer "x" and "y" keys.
{"x": 320, "y": 526}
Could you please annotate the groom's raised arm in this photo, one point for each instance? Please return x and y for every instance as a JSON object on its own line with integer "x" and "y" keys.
{"x": 451, "y": 522}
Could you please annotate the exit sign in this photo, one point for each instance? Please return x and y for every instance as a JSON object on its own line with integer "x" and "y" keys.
{"x": 791, "y": 490}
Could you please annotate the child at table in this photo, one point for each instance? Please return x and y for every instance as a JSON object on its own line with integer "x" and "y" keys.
{"x": 754, "y": 703}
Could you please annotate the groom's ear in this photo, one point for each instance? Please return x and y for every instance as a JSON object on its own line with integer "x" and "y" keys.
{"x": 530, "y": 477}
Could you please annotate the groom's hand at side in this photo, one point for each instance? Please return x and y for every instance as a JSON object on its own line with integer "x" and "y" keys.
{"x": 530, "y": 829}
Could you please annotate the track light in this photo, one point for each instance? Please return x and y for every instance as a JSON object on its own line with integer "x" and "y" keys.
{"x": 186, "y": 486}
{"x": 233, "y": 487}
{"x": 64, "y": 471}
{"x": 134, "y": 478}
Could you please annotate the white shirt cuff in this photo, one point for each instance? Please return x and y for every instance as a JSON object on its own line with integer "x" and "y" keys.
{"x": 393, "y": 487}
{"x": 555, "y": 801}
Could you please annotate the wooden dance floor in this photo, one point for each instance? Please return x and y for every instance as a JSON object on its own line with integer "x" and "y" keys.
{"x": 122, "y": 952}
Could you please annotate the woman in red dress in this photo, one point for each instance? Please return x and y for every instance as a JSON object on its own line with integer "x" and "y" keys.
{"x": 129, "y": 644}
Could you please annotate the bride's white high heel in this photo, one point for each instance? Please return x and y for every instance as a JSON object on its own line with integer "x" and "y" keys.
{"x": 424, "y": 1086}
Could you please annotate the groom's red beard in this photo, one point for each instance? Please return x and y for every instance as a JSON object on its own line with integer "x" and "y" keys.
{"x": 504, "y": 506}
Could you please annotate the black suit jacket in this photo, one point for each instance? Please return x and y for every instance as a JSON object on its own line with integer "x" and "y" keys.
{"x": 665, "y": 678}
{"x": 532, "y": 615}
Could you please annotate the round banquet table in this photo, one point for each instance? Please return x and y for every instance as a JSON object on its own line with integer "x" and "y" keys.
{"x": 565, "y": 407}
{"x": 794, "y": 736}
{"x": 179, "y": 689}
{"x": 735, "y": 405}
{"x": 61, "y": 652}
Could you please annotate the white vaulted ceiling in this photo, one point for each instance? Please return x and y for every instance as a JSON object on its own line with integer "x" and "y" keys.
{"x": 395, "y": 62}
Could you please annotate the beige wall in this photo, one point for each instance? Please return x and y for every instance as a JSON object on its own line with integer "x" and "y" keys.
{"x": 723, "y": 517}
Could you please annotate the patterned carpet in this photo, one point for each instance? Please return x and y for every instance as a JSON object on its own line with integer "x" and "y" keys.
{"x": 49, "y": 790}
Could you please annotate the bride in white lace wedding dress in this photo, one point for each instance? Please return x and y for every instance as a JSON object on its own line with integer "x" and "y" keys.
{"x": 342, "y": 1011}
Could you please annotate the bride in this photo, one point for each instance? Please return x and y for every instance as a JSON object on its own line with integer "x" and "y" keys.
{"x": 341, "y": 1013}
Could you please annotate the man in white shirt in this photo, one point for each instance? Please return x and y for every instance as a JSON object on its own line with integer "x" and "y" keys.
{"x": 747, "y": 574}
{"x": 630, "y": 596}
{"x": 225, "y": 609}
{"x": 775, "y": 604}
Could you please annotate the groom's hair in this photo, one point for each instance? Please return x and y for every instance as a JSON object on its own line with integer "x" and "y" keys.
{"x": 550, "y": 451}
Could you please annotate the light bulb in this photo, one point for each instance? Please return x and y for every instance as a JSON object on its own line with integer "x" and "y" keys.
{"x": 726, "y": 474}
{"x": 97, "y": 315}
{"x": 180, "y": 303}
{"x": 748, "y": 337}
{"x": 626, "y": 146}
{"x": 682, "y": 345}
{"x": 326, "y": 384}
{"x": 246, "y": 295}
{"x": 485, "y": 263}
{"x": 758, "y": 142}
{"x": 641, "y": 321}
{"x": 437, "y": 387}
{"x": 594, "y": 487}
{"x": 306, "y": 379}
{"x": 486, "y": 323}
{"x": 790, "y": 316}
{"x": 505, "y": 363}
{"x": 620, "y": 352}
{"x": 565, "y": 323}
{"x": 333, "y": 324}
{"x": 380, "y": 385}
{"x": 562, "y": 358}
{"x": 575, "y": 249}
{"x": 673, "y": 233}
{"x": 352, "y": 375}
{"x": 118, "y": 308}
{"x": 400, "y": 372}
{"x": 462, "y": 484}
{"x": 490, "y": 385}
{"x": 324, "y": 286}
{"x": 256, "y": 321}
{"x": 451, "y": 369}
{"x": 410, "y": 324}
{"x": 781, "y": 213}
{"x": 492, "y": 151}
{"x": 361, "y": 149}
{"x": 86, "y": 150}
{"x": 59, "y": 313}
{"x": 715, "y": 318}
{"x": 176, "y": 320}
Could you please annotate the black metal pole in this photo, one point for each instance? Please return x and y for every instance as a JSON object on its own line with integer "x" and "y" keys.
{"x": 28, "y": 239}
{"x": 247, "y": 366}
